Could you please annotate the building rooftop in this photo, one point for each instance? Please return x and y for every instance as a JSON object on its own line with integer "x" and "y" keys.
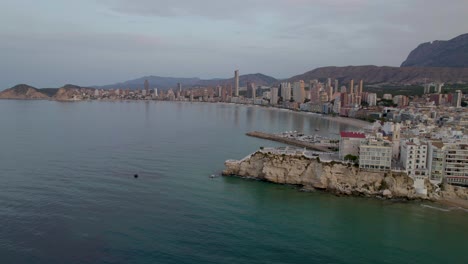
{"x": 352, "y": 134}
{"x": 438, "y": 144}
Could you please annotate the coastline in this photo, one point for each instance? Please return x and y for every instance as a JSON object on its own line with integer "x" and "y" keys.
{"x": 348, "y": 121}
{"x": 338, "y": 119}
{"x": 454, "y": 203}
{"x": 342, "y": 179}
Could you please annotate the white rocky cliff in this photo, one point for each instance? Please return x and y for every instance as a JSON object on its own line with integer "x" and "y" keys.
{"x": 334, "y": 177}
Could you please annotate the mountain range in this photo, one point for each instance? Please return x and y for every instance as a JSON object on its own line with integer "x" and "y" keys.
{"x": 171, "y": 82}
{"x": 437, "y": 61}
{"x": 371, "y": 74}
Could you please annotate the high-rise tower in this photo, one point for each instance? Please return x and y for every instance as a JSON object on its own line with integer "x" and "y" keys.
{"x": 146, "y": 87}
{"x": 299, "y": 91}
{"x": 179, "y": 87}
{"x": 336, "y": 86}
{"x": 457, "y": 98}
{"x": 361, "y": 84}
{"x": 236, "y": 84}
{"x": 286, "y": 91}
{"x": 351, "y": 87}
{"x": 274, "y": 95}
{"x": 396, "y": 140}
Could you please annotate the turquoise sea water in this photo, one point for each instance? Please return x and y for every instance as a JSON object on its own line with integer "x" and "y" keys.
{"x": 67, "y": 193}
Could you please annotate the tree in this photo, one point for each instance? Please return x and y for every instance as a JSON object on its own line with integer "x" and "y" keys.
{"x": 351, "y": 158}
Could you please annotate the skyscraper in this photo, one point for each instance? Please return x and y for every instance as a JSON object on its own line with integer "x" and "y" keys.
{"x": 299, "y": 91}
{"x": 229, "y": 90}
{"x": 438, "y": 88}
{"x": 274, "y": 95}
{"x": 351, "y": 87}
{"x": 251, "y": 93}
{"x": 336, "y": 86}
{"x": 286, "y": 91}
{"x": 457, "y": 97}
{"x": 179, "y": 87}
{"x": 314, "y": 92}
{"x": 361, "y": 85}
{"x": 330, "y": 92}
{"x": 146, "y": 88}
{"x": 236, "y": 82}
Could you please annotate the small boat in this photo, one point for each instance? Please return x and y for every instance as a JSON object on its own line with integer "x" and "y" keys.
{"x": 213, "y": 176}
{"x": 317, "y": 129}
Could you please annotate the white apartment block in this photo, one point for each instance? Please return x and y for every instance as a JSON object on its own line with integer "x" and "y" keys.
{"x": 375, "y": 154}
{"x": 436, "y": 160}
{"x": 413, "y": 156}
{"x": 456, "y": 163}
{"x": 371, "y": 99}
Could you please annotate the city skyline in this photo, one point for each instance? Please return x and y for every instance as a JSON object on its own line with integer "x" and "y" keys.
{"x": 94, "y": 42}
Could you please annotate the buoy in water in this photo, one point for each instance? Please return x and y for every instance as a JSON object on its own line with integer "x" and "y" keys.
{"x": 135, "y": 176}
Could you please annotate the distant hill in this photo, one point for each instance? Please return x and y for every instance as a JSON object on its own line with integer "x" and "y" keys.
{"x": 257, "y": 78}
{"x": 395, "y": 75}
{"x": 171, "y": 82}
{"x": 154, "y": 82}
{"x": 23, "y": 91}
{"x": 440, "y": 53}
{"x": 70, "y": 91}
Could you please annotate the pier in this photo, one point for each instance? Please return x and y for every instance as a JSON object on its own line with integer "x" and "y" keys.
{"x": 289, "y": 141}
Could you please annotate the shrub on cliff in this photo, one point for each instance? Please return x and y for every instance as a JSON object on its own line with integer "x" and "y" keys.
{"x": 383, "y": 185}
{"x": 351, "y": 158}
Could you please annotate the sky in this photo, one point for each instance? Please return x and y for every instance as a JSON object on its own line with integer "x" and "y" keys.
{"x": 50, "y": 43}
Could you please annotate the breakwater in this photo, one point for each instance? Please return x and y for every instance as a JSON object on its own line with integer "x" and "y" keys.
{"x": 289, "y": 141}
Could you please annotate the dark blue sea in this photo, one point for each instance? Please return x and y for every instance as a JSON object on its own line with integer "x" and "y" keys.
{"x": 68, "y": 192}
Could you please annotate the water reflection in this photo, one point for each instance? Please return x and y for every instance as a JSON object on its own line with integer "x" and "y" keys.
{"x": 236, "y": 116}
{"x": 250, "y": 116}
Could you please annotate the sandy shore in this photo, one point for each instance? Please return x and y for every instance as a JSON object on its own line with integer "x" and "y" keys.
{"x": 347, "y": 121}
{"x": 343, "y": 120}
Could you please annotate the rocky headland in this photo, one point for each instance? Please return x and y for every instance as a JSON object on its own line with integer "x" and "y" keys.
{"x": 22, "y": 91}
{"x": 68, "y": 92}
{"x": 338, "y": 178}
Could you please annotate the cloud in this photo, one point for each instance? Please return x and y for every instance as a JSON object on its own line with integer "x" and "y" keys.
{"x": 209, "y": 38}
{"x": 81, "y": 42}
{"x": 237, "y": 10}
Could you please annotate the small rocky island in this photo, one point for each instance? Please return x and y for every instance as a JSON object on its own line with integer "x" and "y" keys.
{"x": 306, "y": 169}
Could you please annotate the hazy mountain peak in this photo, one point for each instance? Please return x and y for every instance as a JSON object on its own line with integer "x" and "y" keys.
{"x": 440, "y": 53}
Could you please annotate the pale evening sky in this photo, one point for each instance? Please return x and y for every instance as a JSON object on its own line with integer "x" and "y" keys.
{"x": 49, "y": 43}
